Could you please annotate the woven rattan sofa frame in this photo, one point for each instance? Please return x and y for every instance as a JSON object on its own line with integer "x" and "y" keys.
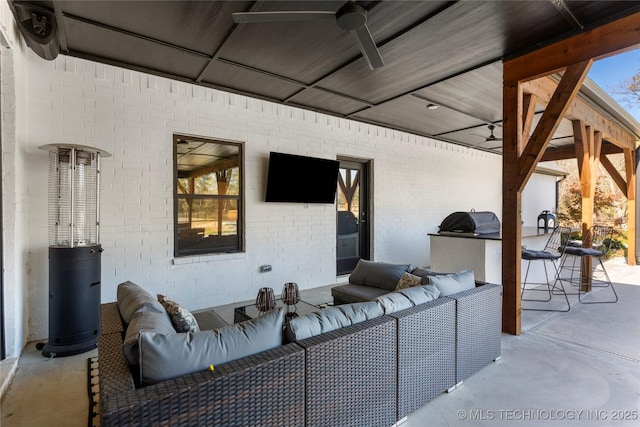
{"x": 266, "y": 389}
{"x": 478, "y": 328}
{"x": 351, "y": 375}
{"x": 426, "y": 353}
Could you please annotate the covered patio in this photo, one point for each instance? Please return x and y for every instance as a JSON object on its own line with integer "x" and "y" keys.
{"x": 129, "y": 76}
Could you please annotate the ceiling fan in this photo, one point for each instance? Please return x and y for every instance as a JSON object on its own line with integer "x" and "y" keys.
{"x": 351, "y": 17}
{"x": 492, "y": 137}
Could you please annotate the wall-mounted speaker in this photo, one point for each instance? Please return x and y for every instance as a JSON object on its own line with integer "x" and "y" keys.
{"x": 38, "y": 27}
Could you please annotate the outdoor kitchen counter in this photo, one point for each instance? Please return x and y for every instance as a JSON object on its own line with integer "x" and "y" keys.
{"x": 453, "y": 252}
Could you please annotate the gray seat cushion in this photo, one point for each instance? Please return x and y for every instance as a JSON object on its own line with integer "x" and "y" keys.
{"x": 378, "y": 274}
{"x": 584, "y": 251}
{"x": 166, "y": 356}
{"x": 531, "y": 255}
{"x": 356, "y": 293}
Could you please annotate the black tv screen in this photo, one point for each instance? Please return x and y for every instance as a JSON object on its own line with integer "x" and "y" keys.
{"x": 301, "y": 179}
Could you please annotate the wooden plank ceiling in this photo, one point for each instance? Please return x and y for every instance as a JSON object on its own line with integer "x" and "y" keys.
{"x": 435, "y": 52}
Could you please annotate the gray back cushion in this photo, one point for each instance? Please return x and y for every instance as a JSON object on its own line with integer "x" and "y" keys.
{"x": 132, "y": 298}
{"x": 379, "y": 274}
{"x": 330, "y": 319}
{"x": 144, "y": 321}
{"x": 420, "y": 294}
{"x": 453, "y": 283}
{"x": 166, "y": 356}
{"x": 394, "y": 301}
{"x": 425, "y": 273}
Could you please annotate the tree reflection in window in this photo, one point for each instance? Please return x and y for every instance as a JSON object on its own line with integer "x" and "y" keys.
{"x": 208, "y": 195}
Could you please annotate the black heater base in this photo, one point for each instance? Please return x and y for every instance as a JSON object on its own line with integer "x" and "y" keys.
{"x": 52, "y": 350}
{"x": 74, "y": 300}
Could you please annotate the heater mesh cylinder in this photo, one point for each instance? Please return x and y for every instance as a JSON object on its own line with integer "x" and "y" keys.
{"x": 73, "y": 197}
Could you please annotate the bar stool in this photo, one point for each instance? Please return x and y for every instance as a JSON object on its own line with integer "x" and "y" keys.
{"x": 553, "y": 251}
{"x": 595, "y": 245}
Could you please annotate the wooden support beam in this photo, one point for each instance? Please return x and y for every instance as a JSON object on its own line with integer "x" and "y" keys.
{"x": 565, "y": 92}
{"x": 579, "y": 109}
{"x": 529, "y": 102}
{"x": 213, "y": 168}
{"x": 613, "y": 173}
{"x": 630, "y": 171}
{"x": 609, "y": 39}
{"x": 569, "y": 152}
{"x": 511, "y": 209}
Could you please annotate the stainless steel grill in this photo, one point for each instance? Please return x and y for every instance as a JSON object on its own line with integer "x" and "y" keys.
{"x": 476, "y": 223}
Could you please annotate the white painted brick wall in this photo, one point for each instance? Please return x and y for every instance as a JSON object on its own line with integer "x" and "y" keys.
{"x": 417, "y": 182}
{"x": 15, "y": 274}
{"x": 539, "y": 195}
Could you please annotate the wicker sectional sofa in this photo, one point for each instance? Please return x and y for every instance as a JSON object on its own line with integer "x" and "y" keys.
{"x": 371, "y": 372}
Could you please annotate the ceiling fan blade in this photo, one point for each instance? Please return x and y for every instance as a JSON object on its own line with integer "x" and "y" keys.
{"x": 283, "y": 16}
{"x": 368, "y": 47}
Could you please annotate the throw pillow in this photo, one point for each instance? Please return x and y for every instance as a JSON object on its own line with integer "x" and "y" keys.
{"x": 182, "y": 319}
{"x": 408, "y": 280}
{"x": 453, "y": 283}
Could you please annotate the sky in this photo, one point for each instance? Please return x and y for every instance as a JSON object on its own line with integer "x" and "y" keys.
{"x": 610, "y": 72}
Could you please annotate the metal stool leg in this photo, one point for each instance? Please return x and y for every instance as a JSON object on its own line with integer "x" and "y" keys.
{"x": 549, "y": 288}
{"x": 605, "y": 283}
{"x": 596, "y": 244}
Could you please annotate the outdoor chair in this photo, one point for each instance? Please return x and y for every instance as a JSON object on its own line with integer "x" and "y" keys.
{"x": 595, "y": 245}
{"x": 552, "y": 252}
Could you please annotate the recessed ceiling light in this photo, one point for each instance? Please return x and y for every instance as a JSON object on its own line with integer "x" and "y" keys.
{"x": 432, "y": 107}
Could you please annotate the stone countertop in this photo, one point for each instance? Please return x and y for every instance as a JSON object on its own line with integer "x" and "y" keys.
{"x": 526, "y": 232}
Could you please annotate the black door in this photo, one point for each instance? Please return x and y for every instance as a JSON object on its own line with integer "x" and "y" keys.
{"x": 352, "y": 204}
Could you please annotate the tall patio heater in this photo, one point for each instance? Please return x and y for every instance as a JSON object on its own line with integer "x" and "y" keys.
{"x": 74, "y": 249}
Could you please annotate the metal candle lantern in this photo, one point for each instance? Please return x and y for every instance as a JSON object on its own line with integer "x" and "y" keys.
{"x": 546, "y": 220}
{"x": 290, "y": 293}
{"x": 74, "y": 249}
{"x": 266, "y": 300}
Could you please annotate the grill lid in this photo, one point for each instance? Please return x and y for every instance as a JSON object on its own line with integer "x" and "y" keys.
{"x": 471, "y": 222}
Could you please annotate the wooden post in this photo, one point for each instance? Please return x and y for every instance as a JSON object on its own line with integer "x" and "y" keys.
{"x": 630, "y": 169}
{"x": 511, "y": 209}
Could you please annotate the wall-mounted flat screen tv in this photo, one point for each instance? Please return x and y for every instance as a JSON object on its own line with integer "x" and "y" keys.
{"x": 301, "y": 179}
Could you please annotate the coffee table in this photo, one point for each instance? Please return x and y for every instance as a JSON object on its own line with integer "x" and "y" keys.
{"x": 248, "y": 312}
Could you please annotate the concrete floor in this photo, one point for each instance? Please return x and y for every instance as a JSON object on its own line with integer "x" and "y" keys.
{"x": 565, "y": 368}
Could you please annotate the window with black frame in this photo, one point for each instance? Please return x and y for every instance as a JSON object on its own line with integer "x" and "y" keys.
{"x": 208, "y": 196}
